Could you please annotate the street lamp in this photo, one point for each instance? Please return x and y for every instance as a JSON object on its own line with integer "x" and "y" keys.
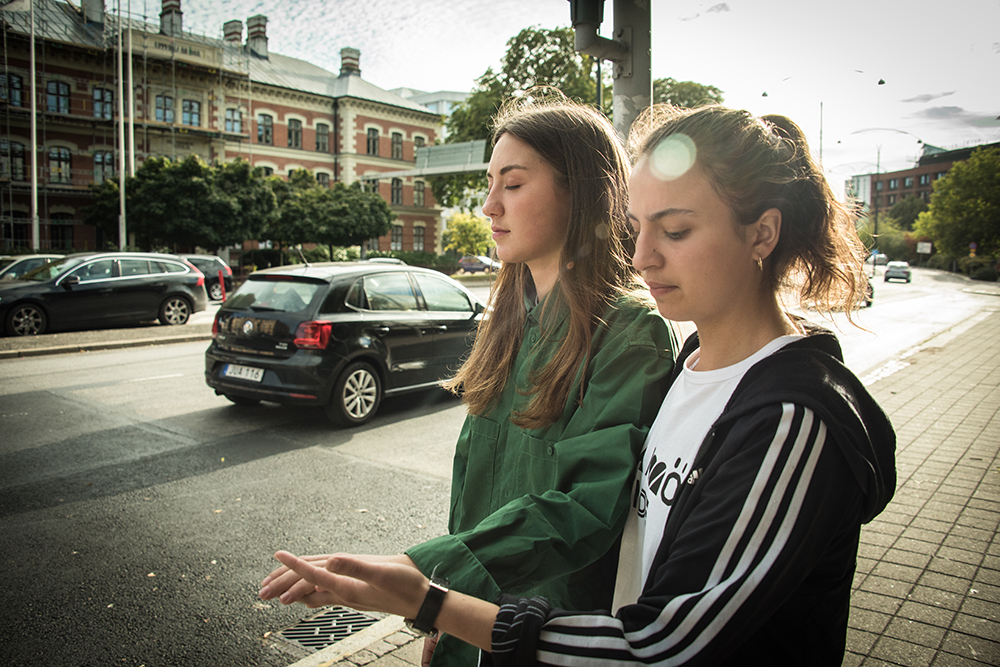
{"x": 878, "y": 182}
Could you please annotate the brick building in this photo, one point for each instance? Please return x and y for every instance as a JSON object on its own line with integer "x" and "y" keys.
{"x": 892, "y": 187}
{"x": 219, "y": 99}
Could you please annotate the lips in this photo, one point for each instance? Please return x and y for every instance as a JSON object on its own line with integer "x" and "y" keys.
{"x": 498, "y": 232}
{"x": 660, "y": 289}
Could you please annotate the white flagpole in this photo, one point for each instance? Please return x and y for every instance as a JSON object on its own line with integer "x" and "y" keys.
{"x": 122, "y": 238}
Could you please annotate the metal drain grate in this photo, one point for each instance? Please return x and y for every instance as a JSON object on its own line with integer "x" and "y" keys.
{"x": 327, "y": 628}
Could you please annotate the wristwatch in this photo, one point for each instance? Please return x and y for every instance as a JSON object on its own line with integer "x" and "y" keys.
{"x": 423, "y": 624}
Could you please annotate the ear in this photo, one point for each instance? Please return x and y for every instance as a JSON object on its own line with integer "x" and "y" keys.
{"x": 766, "y": 232}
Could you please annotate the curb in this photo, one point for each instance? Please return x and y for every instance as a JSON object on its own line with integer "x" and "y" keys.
{"x": 106, "y": 345}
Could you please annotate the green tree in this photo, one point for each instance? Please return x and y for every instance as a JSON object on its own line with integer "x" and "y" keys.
{"x": 687, "y": 94}
{"x": 185, "y": 203}
{"x": 906, "y": 211}
{"x": 468, "y": 234}
{"x": 965, "y": 207}
{"x": 535, "y": 57}
{"x": 346, "y": 215}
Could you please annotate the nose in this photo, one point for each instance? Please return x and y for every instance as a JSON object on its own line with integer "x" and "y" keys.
{"x": 492, "y": 207}
{"x": 644, "y": 256}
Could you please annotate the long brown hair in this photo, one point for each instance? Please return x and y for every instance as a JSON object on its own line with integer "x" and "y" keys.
{"x": 756, "y": 164}
{"x": 590, "y": 162}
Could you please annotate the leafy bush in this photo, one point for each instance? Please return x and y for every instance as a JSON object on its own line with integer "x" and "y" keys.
{"x": 986, "y": 273}
{"x": 943, "y": 261}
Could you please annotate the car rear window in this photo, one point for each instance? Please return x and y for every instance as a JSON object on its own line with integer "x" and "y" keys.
{"x": 280, "y": 295}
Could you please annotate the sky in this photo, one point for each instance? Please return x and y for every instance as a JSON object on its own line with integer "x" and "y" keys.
{"x": 819, "y": 63}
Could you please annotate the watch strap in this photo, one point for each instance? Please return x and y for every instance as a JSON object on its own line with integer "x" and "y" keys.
{"x": 431, "y": 607}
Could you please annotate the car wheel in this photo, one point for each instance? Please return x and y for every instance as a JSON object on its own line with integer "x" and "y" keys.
{"x": 26, "y": 320}
{"x": 175, "y": 310}
{"x": 215, "y": 292}
{"x": 356, "y": 395}
{"x": 241, "y": 400}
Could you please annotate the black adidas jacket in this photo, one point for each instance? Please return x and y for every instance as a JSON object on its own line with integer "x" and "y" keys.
{"x": 758, "y": 553}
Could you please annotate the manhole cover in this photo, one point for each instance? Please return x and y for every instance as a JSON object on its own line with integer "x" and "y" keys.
{"x": 327, "y": 628}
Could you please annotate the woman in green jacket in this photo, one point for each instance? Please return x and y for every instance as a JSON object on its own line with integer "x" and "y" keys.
{"x": 566, "y": 376}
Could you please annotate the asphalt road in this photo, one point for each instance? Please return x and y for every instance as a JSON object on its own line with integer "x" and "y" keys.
{"x": 138, "y": 511}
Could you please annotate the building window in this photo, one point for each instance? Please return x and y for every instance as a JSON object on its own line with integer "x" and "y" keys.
{"x": 418, "y": 239}
{"x": 61, "y": 230}
{"x": 191, "y": 113}
{"x": 59, "y": 165}
{"x": 323, "y": 179}
{"x": 11, "y": 90}
{"x": 418, "y": 142}
{"x": 892, "y": 199}
{"x": 267, "y": 171}
{"x": 371, "y": 185}
{"x": 102, "y": 103}
{"x": 397, "y": 191}
{"x": 908, "y": 182}
{"x": 878, "y": 186}
{"x": 104, "y": 166}
{"x": 322, "y": 138}
{"x": 925, "y": 195}
{"x": 265, "y": 129}
{"x": 164, "y": 108}
{"x": 893, "y": 183}
{"x": 57, "y": 99}
{"x": 925, "y": 179}
{"x": 418, "y": 193}
{"x": 12, "y": 160}
{"x": 295, "y": 134}
{"x": 940, "y": 174}
{"x": 234, "y": 120}
{"x": 397, "y": 238}
{"x": 397, "y": 146}
{"x": 373, "y": 141}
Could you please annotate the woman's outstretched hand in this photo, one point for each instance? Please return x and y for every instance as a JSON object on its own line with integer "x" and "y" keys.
{"x": 351, "y": 581}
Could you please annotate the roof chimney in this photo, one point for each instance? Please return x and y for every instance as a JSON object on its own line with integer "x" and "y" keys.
{"x": 257, "y": 34}
{"x": 232, "y": 31}
{"x": 350, "y": 62}
{"x": 170, "y": 18}
{"x": 93, "y": 11}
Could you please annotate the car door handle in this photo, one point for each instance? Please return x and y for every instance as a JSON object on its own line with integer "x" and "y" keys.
{"x": 381, "y": 330}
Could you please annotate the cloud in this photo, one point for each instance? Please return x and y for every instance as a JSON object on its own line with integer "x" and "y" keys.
{"x": 927, "y": 97}
{"x": 714, "y": 9}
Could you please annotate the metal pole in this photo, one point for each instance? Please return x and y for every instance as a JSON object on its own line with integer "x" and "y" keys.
{"x": 633, "y": 81}
{"x": 35, "y": 240}
{"x": 131, "y": 100}
{"x": 122, "y": 238}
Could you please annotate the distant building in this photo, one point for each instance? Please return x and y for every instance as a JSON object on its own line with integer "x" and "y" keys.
{"x": 219, "y": 99}
{"x": 442, "y": 102}
{"x": 884, "y": 190}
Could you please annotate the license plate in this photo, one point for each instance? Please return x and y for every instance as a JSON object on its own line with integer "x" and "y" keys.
{"x": 243, "y": 372}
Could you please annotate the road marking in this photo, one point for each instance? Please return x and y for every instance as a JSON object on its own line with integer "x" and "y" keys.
{"x": 158, "y": 377}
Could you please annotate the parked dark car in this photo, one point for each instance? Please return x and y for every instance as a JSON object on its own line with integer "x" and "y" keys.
{"x": 339, "y": 335}
{"x": 94, "y": 290}
{"x": 476, "y": 263}
{"x": 210, "y": 265}
{"x": 16, "y": 266}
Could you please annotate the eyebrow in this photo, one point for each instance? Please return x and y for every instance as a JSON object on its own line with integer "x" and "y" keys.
{"x": 665, "y": 213}
{"x": 509, "y": 167}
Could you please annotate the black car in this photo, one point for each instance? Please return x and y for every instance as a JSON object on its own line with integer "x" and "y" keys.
{"x": 339, "y": 335}
{"x": 93, "y": 290}
{"x": 210, "y": 265}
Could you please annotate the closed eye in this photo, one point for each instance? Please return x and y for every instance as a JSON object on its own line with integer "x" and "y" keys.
{"x": 676, "y": 236}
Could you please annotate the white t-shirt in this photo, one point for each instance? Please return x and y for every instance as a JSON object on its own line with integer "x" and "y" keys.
{"x": 693, "y": 403}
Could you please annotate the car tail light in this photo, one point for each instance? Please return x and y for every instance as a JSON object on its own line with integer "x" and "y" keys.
{"x": 313, "y": 335}
{"x": 197, "y": 272}
{"x": 215, "y": 325}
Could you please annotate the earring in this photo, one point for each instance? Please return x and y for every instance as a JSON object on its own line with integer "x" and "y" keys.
{"x": 760, "y": 264}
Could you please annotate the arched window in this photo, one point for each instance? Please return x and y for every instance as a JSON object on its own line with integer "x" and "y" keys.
{"x": 397, "y": 146}
{"x": 12, "y": 160}
{"x": 104, "y": 166}
{"x": 102, "y": 103}
{"x": 295, "y": 133}
{"x": 265, "y": 129}
{"x": 397, "y": 191}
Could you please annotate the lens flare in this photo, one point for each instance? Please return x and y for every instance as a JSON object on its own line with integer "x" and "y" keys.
{"x": 673, "y": 157}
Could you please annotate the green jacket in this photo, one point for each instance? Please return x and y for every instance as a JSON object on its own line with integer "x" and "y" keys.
{"x": 537, "y": 511}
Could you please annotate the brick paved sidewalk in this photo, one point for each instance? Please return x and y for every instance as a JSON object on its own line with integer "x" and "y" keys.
{"x": 927, "y": 588}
